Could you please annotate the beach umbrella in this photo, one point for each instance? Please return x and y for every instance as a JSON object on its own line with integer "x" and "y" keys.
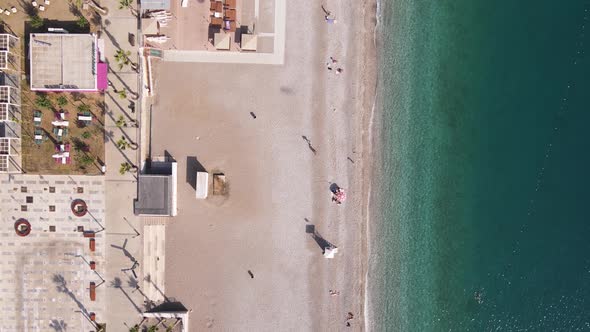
{"x": 340, "y": 195}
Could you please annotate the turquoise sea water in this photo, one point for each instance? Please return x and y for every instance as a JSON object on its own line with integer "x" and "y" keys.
{"x": 484, "y": 174}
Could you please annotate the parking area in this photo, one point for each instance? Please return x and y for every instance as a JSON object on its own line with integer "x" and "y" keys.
{"x": 51, "y": 257}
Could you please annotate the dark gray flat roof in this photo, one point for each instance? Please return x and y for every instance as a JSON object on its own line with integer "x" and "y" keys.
{"x": 154, "y": 196}
{"x": 155, "y": 4}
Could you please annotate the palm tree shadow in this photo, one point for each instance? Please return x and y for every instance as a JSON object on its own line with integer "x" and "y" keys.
{"x": 148, "y": 303}
{"x": 58, "y": 325}
{"x": 117, "y": 283}
{"x": 125, "y": 251}
{"x": 62, "y": 287}
{"x": 319, "y": 239}
{"x": 148, "y": 278}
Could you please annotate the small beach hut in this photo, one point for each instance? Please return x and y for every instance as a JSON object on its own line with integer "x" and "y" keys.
{"x": 249, "y": 42}
{"x": 221, "y": 41}
{"x": 202, "y": 185}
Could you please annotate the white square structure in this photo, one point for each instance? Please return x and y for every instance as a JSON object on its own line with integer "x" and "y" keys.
{"x": 63, "y": 62}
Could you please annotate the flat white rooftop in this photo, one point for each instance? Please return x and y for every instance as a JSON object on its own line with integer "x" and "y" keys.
{"x": 62, "y": 61}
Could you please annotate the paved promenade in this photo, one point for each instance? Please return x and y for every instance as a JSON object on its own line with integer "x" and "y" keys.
{"x": 124, "y": 234}
{"x": 45, "y": 276}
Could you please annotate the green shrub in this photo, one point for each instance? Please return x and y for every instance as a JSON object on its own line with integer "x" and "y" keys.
{"x": 37, "y": 22}
{"x": 121, "y": 122}
{"x": 124, "y": 4}
{"x": 125, "y": 167}
{"x": 62, "y": 101}
{"x": 83, "y": 108}
{"x": 85, "y": 160}
{"x": 122, "y": 94}
{"x": 86, "y": 135}
{"x": 82, "y": 22}
{"x": 43, "y": 102}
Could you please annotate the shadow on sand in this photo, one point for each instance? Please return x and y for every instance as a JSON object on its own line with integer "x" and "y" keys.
{"x": 322, "y": 243}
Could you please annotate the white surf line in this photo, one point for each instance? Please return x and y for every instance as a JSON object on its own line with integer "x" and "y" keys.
{"x": 275, "y": 58}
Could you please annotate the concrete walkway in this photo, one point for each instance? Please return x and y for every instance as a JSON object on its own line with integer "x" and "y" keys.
{"x": 126, "y": 299}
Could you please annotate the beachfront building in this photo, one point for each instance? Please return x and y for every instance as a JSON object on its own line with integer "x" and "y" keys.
{"x": 66, "y": 62}
{"x": 169, "y": 315}
{"x": 9, "y": 54}
{"x": 10, "y": 156}
{"x": 157, "y": 190}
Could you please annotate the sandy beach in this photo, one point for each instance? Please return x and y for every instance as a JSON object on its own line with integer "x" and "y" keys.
{"x": 279, "y": 188}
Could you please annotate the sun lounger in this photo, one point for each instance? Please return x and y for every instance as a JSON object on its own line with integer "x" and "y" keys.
{"x": 60, "y": 123}
{"x": 216, "y": 21}
{"x": 60, "y": 116}
{"x": 217, "y": 7}
{"x": 37, "y": 115}
{"x": 230, "y": 4}
{"x": 229, "y": 26}
{"x": 230, "y": 15}
{"x": 39, "y": 136}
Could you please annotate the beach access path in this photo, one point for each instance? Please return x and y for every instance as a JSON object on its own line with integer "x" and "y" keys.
{"x": 124, "y": 279}
{"x": 279, "y": 188}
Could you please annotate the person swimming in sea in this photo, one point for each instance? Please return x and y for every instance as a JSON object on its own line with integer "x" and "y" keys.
{"x": 478, "y": 296}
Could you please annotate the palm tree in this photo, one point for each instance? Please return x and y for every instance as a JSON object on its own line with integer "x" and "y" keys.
{"x": 122, "y": 143}
{"x": 122, "y": 58}
{"x": 62, "y": 101}
{"x": 37, "y": 22}
{"x": 82, "y": 22}
{"x": 122, "y": 93}
{"x": 135, "y": 327}
{"x": 126, "y": 167}
{"x": 121, "y": 122}
{"x": 123, "y": 4}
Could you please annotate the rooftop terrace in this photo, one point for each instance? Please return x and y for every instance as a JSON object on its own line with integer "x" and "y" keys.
{"x": 63, "y": 62}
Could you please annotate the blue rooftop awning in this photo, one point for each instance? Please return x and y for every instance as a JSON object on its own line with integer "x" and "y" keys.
{"x": 155, "y": 4}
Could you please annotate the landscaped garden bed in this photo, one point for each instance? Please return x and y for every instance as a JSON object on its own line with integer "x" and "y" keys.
{"x": 81, "y": 142}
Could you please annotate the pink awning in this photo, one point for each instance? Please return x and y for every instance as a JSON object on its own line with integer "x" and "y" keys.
{"x": 101, "y": 74}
